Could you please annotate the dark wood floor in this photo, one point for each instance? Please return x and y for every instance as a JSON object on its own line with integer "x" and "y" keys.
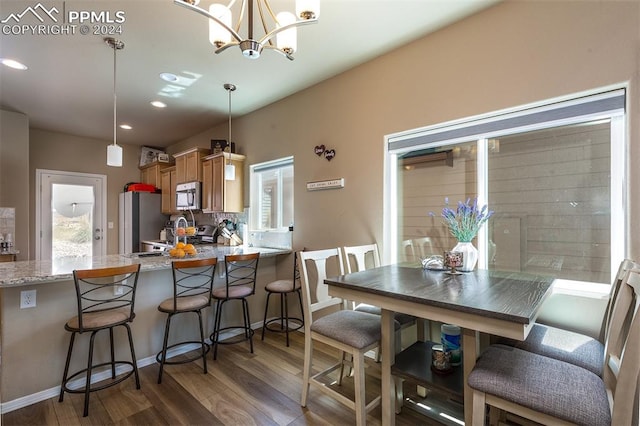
{"x": 240, "y": 389}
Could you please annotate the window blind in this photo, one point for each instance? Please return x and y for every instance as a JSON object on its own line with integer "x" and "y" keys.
{"x": 607, "y": 103}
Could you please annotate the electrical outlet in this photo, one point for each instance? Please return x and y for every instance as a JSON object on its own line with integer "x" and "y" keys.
{"x": 27, "y": 299}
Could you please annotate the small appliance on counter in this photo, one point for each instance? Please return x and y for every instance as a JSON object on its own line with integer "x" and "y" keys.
{"x": 206, "y": 233}
{"x": 227, "y": 233}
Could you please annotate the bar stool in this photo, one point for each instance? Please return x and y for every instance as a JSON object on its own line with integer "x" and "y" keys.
{"x": 284, "y": 288}
{"x": 192, "y": 285}
{"x": 105, "y": 299}
{"x": 241, "y": 270}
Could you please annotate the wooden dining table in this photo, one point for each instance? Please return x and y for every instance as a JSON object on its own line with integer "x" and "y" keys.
{"x": 482, "y": 301}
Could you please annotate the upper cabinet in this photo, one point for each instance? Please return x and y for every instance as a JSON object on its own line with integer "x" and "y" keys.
{"x": 218, "y": 194}
{"x": 189, "y": 164}
{"x": 168, "y": 185}
{"x": 150, "y": 173}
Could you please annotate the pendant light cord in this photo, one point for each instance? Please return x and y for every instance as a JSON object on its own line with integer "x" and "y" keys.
{"x": 115, "y": 121}
{"x": 230, "y": 88}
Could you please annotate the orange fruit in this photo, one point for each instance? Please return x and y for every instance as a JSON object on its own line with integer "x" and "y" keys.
{"x": 180, "y": 253}
{"x": 180, "y": 245}
{"x": 188, "y": 247}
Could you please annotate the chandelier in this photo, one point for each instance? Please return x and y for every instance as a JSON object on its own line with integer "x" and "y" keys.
{"x": 222, "y": 35}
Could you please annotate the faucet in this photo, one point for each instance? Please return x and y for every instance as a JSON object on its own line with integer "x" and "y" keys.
{"x": 176, "y": 225}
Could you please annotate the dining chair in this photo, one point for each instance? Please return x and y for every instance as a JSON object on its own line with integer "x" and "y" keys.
{"x": 192, "y": 285}
{"x": 240, "y": 272}
{"x": 361, "y": 257}
{"x": 284, "y": 288}
{"x": 408, "y": 253}
{"x": 424, "y": 247}
{"x": 105, "y": 300}
{"x": 350, "y": 332}
{"x": 574, "y": 348}
{"x": 553, "y": 392}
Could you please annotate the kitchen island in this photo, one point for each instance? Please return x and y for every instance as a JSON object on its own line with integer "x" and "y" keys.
{"x": 34, "y": 343}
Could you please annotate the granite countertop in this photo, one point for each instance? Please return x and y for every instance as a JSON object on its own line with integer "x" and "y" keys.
{"x": 15, "y": 274}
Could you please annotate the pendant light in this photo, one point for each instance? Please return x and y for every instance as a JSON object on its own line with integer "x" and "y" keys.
{"x": 114, "y": 151}
{"x": 229, "y": 168}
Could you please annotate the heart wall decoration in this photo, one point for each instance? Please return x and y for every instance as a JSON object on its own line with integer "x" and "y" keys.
{"x": 329, "y": 154}
{"x": 321, "y": 150}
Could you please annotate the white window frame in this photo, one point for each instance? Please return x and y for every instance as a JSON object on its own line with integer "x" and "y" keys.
{"x": 608, "y": 103}
{"x": 255, "y": 188}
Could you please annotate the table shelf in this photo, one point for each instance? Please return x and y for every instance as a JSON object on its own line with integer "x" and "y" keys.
{"x": 415, "y": 363}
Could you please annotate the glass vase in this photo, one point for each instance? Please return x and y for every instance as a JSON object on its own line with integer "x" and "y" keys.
{"x": 470, "y": 256}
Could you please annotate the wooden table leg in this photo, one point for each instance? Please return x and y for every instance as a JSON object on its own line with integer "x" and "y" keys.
{"x": 469, "y": 354}
{"x": 388, "y": 358}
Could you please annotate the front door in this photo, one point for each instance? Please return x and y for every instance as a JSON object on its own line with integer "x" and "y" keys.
{"x": 70, "y": 215}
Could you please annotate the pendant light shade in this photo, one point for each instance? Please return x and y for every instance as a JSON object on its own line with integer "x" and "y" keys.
{"x": 114, "y": 151}
{"x": 229, "y": 168}
{"x": 114, "y": 155}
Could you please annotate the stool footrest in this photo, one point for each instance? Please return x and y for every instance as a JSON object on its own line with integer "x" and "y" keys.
{"x": 284, "y": 329}
{"x": 110, "y": 382}
{"x": 246, "y": 335}
{"x": 186, "y": 359}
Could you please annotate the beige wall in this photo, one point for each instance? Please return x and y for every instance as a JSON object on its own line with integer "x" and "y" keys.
{"x": 512, "y": 54}
{"x": 57, "y": 151}
{"x": 14, "y": 177}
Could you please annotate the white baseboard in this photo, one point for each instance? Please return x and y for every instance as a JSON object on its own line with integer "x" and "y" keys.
{"x": 6, "y": 407}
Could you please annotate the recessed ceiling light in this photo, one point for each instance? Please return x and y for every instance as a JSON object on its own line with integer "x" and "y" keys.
{"x": 159, "y": 104}
{"x": 167, "y": 76}
{"x": 11, "y": 63}
{"x": 126, "y": 127}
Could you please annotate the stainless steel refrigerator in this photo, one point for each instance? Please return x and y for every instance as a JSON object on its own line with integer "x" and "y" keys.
{"x": 140, "y": 219}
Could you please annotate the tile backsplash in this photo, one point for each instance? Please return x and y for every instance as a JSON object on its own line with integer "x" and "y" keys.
{"x": 7, "y": 224}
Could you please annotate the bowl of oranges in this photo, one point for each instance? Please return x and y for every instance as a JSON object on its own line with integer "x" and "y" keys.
{"x": 188, "y": 231}
{"x": 182, "y": 250}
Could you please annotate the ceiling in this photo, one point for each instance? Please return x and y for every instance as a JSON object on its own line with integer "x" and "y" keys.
{"x": 68, "y": 86}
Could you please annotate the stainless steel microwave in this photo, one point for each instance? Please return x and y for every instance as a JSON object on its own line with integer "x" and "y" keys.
{"x": 188, "y": 196}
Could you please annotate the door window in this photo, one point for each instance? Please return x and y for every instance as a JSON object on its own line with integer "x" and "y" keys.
{"x": 70, "y": 216}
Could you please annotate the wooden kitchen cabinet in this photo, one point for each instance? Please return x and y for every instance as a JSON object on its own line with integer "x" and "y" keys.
{"x": 168, "y": 185}
{"x": 189, "y": 164}
{"x": 150, "y": 173}
{"x": 218, "y": 194}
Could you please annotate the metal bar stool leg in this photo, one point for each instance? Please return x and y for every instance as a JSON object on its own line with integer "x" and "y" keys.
{"x": 164, "y": 346}
{"x": 113, "y": 356}
{"x": 266, "y": 309}
{"x": 286, "y": 317}
{"x": 66, "y": 367}
{"x": 247, "y": 323}
{"x": 134, "y": 360}
{"x": 204, "y": 351}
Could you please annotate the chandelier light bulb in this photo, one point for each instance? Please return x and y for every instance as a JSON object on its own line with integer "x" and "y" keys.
{"x": 308, "y": 9}
{"x": 219, "y": 35}
{"x": 287, "y": 40}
